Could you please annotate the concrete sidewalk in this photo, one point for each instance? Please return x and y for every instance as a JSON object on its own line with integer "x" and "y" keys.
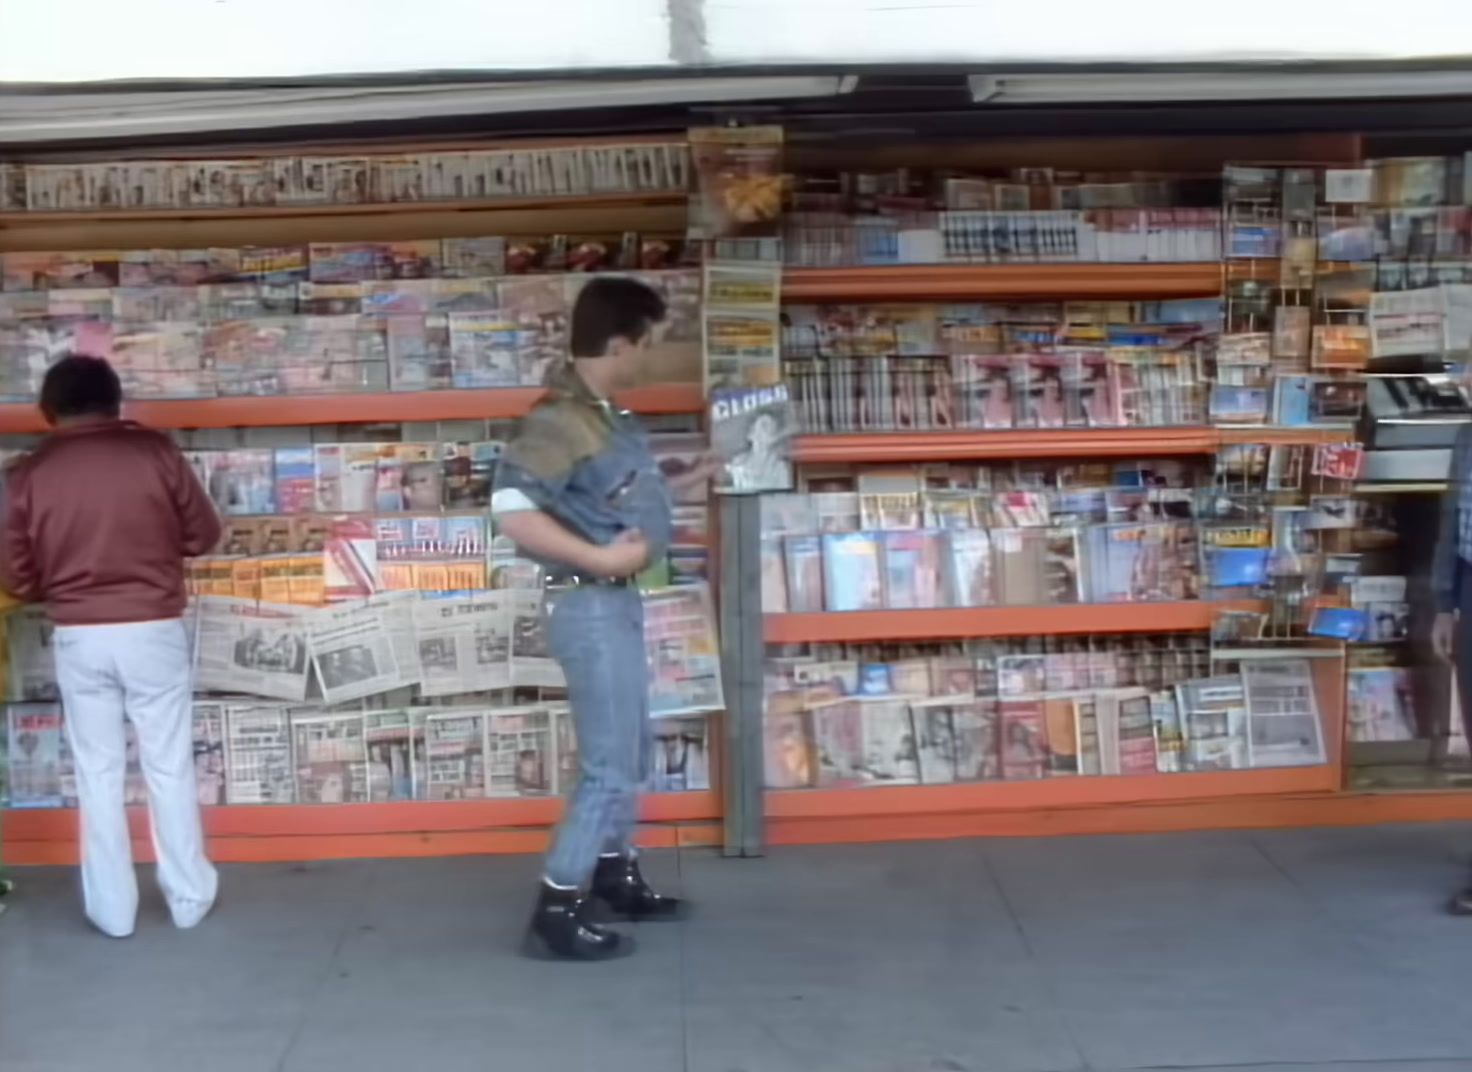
{"x": 1302, "y": 950}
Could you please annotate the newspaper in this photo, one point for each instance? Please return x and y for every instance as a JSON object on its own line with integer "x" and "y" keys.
{"x": 32, "y": 661}
{"x": 521, "y": 758}
{"x": 209, "y": 752}
{"x": 684, "y": 656}
{"x": 464, "y": 643}
{"x": 248, "y": 647}
{"x": 681, "y": 756}
{"x": 38, "y": 760}
{"x": 391, "y": 746}
{"x": 452, "y": 765}
{"x": 357, "y": 646}
{"x": 1407, "y": 322}
{"x": 531, "y": 663}
{"x": 258, "y": 755}
{"x": 1282, "y": 713}
{"x": 331, "y": 757}
{"x": 565, "y": 745}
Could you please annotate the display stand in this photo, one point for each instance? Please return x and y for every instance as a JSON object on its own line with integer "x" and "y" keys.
{"x": 740, "y": 815}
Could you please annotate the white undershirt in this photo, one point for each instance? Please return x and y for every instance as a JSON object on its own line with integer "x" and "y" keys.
{"x": 510, "y": 501}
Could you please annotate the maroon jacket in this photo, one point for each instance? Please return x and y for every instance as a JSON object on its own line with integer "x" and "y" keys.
{"x": 99, "y": 520}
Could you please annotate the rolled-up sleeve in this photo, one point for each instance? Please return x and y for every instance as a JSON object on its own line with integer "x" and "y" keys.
{"x": 535, "y": 466}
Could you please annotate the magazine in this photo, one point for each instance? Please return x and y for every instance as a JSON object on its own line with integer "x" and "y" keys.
{"x": 751, "y": 431}
{"x": 787, "y": 734}
{"x": 1381, "y": 705}
{"x": 683, "y": 652}
{"x": 738, "y": 181}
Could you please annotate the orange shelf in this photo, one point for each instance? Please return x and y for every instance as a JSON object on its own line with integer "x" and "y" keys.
{"x": 329, "y": 820}
{"x": 958, "y": 623}
{"x": 1072, "y": 792}
{"x": 1254, "y": 809}
{"x": 19, "y": 220}
{"x": 976, "y": 444}
{"x": 313, "y": 832}
{"x": 1287, "y": 436}
{"x": 254, "y": 412}
{"x": 1014, "y": 443}
{"x": 1034, "y": 281}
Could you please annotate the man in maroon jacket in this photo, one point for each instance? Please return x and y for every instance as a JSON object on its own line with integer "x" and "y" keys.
{"x": 99, "y": 520}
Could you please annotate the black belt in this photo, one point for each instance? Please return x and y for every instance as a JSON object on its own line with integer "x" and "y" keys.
{"x": 565, "y": 581}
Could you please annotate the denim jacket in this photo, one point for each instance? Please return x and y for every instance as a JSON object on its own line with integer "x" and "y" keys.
{"x": 1450, "y": 552}
{"x": 587, "y": 464}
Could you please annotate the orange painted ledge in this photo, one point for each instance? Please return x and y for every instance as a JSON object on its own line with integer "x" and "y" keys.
{"x": 955, "y": 623}
{"x": 1038, "y": 281}
{"x": 255, "y": 412}
{"x": 1253, "y": 812}
{"x": 283, "y": 848}
{"x": 17, "y": 219}
{"x": 360, "y": 820}
{"x": 1014, "y": 443}
{"x": 1043, "y": 793}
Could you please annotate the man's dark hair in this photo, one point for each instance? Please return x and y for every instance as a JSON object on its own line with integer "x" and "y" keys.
{"x": 611, "y": 308}
{"x": 80, "y": 386}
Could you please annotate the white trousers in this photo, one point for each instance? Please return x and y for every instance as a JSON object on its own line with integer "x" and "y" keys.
{"x": 142, "y": 671}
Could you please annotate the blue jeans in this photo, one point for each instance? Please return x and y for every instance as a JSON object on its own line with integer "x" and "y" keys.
{"x": 596, "y": 634}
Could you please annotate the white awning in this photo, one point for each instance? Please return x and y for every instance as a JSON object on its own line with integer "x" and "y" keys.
{"x": 78, "y": 116}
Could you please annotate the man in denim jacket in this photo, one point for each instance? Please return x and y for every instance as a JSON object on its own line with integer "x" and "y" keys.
{"x": 579, "y": 492}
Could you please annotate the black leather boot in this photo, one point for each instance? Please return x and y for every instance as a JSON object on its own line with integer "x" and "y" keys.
{"x": 559, "y": 931}
{"x": 619, "y": 884}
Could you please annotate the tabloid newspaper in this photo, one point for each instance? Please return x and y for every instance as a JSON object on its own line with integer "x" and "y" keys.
{"x": 258, "y": 755}
{"x": 453, "y": 764}
{"x": 521, "y": 752}
{"x": 331, "y": 757}
{"x": 209, "y": 752}
{"x": 1282, "y": 713}
{"x": 464, "y": 643}
{"x": 391, "y": 745}
{"x": 249, "y": 647}
{"x": 684, "y": 655}
{"x": 32, "y": 661}
{"x": 38, "y": 756}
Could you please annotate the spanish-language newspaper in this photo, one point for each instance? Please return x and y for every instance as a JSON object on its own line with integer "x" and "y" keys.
{"x": 464, "y": 643}
{"x": 250, "y": 647}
